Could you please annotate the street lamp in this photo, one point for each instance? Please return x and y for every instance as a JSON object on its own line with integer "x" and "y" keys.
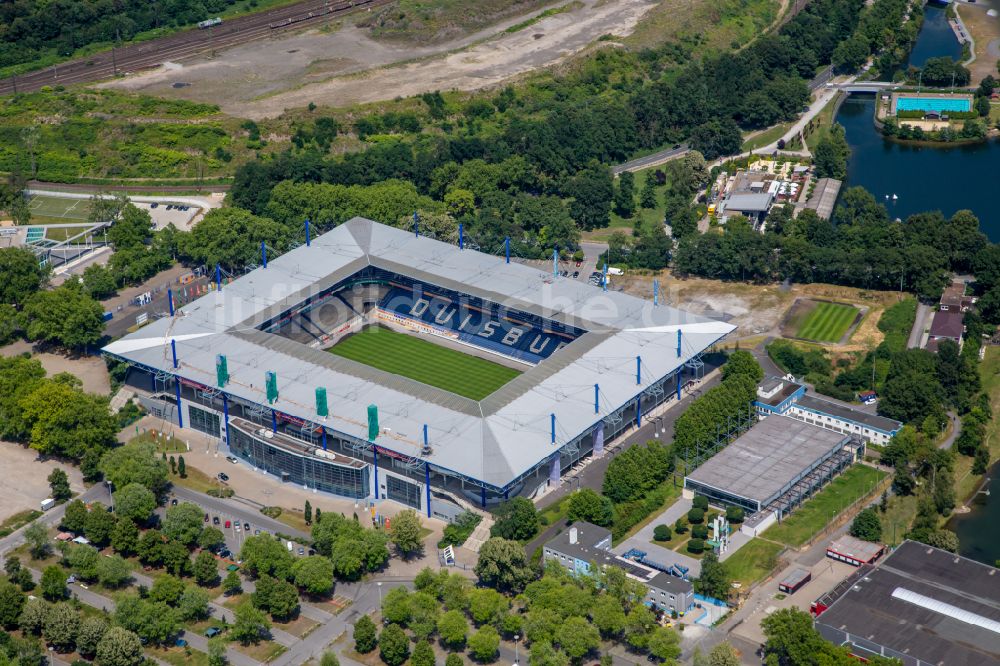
{"x": 379, "y": 594}
{"x": 110, "y": 494}
{"x": 516, "y": 659}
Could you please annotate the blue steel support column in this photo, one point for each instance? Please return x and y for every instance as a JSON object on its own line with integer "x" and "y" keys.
{"x": 604, "y": 278}
{"x": 170, "y": 301}
{"x": 427, "y": 485}
{"x": 152, "y": 383}
{"x": 656, "y": 292}
{"x": 173, "y": 352}
{"x": 506, "y": 248}
{"x": 416, "y": 224}
{"x": 307, "y": 233}
{"x": 638, "y": 370}
{"x": 555, "y": 262}
{"x": 324, "y": 439}
{"x": 553, "y": 428}
{"x": 218, "y": 277}
{"x": 482, "y": 496}
{"x": 461, "y": 236}
{"x": 263, "y": 254}
{"x": 678, "y": 343}
{"x": 180, "y": 410}
{"x": 274, "y": 421}
{"x": 597, "y": 397}
{"x": 678, "y": 384}
{"x": 225, "y": 415}
{"x": 378, "y": 495}
{"x": 638, "y": 411}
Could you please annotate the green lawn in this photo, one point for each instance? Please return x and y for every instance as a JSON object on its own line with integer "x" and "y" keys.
{"x": 753, "y": 561}
{"x": 821, "y": 508}
{"x": 827, "y": 322}
{"x": 425, "y": 362}
{"x": 18, "y": 520}
{"x": 767, "y": 136}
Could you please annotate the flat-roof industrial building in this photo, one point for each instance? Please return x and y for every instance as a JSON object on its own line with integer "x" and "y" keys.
{"x": 921, "y": 605}
{"x": 593, "y": 362}
{"x": 773, "y": 467}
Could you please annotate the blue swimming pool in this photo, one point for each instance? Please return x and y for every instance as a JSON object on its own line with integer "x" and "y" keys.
{"x": 939, "y": 104}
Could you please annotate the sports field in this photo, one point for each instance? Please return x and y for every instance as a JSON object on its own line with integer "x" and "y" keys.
{"x": 57, "y": 210}
{"x": 827, "y": 322}
{"x": 425, "y": 362}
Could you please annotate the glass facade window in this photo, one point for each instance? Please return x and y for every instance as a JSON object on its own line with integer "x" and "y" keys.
{"x": 402, "y": 491}
{"x": 312, "y": 472}
{"x": 205, "y": 421}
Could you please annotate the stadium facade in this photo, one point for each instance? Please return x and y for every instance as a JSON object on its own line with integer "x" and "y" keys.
{"x": 247, "y": 363}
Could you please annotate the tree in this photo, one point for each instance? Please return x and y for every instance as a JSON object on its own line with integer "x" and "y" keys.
{"x": 23, "y": 276}
{"x": 92, "y": 630}
{"x": 831, "y": 154}
{"x": 99, "y": 282}
{"x": 211, "y": 538}
{"x": 329, "y": 658}
{"x": 37, "y": 538}
{"x": 113, "y": 571}
{"x": 125, "y": 537}
{"x": 734, "y": 514}
{"x": 714, "y": 581}
{"x": 119, "y": 647}
{"x": 365, "y": 638}
{"x": 193, "y": 604}
{"x": 851, "y": 53}
{"x": 12, "y": 602}
{"x": 167, "y": 588}
{"x": 33, "y": 616}
{"x": 647, "y": 198}
{"x": 396, "y": 606}
{"x": 205, "y": 569}
{"x": 867, "y": 525}
{"x": 231, "y": 237}
{"x": 486, "y": 606}
{"x": 742, "y": 362}
{"x": 75, "y": 517}
{"x": 231, "y": 584}
{"x": 638, "y": 624}
{"x": 696, "y": 516}
{"x": 662, "y": 533}
{"x": 65, "y": 421}
{"x": 59, "y": 485}
{"x": 503, "y": 565}
{"x": 99, "y": 525}
{"x": 577, "y": 637}
{"x": 217, "y": 651}
{"x": 62, "y": 626}
{"x": 516, "y": 520}
{"x": 664, "y": 644}
{"x": 483, "y": 644}
{"x": 308, "y": 513}
{"x": 453, "y": 660}
{"x": 716, "y": 138}
{"x": 394, "y": 646}
{"x": 53, "y": 583}
{"x": 314, "y": 574}
{"x": 250, "y": 624}
{"x": 65, "y": 316}
{"x": 136, "y": 462}
{"x": 453, "y": 629}
{"x": 423, "y": 654}
{"x": 265, "y": 555}
{"x": 135, "y": 502}
{"x": 83, "y": 559}
{"x": 181, "y": 467}
{"x": 278, "y": 597}
{"x": 152, "y": 621}
{"x": 592, "y": 191}
{"x": 625, "y": 195}
{"x": 404, "y": 531}
{"x": 183, "y": 523}
{"x": 587, "y": 505}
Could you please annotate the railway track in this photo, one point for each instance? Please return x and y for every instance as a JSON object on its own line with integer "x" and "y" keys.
{"x": 177, "y": 46}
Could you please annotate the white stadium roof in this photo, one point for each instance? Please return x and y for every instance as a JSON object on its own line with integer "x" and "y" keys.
{"x": 495, "y": 440}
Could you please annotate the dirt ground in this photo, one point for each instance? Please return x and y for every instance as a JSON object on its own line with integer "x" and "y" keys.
{"x": 758, "y": 310}
{"x": 986, "y": 33}
{"x": 89, "y": 369}
{"x": 343, "y": 65}
{"x": 25, "y": 482}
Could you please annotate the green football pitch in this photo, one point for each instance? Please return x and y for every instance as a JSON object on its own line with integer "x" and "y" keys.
{"x": 827, "y": 322}
{"x": 425, "y": 362}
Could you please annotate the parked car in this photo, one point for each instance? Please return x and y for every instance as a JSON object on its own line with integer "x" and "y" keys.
{"x": 302, "y": 551}
{"x": 173, "y": 502}
{"x": 212, "y": 632}
{"x": 206, "y": 517}
{"x": 246, "y": 526}
{"x": 215, "y": 520}
{"x": 170, "y": 206}
{"x": 71, "y": 579}
{"x": 256, "y": 532}
{"x": 154, "y": 205}
{"x": 223, "y": 476}
{"x": 576, "y": 274}
{"x": 237, "y": 526}
{"x": 228, "y": 524}
{"x": 232, "y": 459}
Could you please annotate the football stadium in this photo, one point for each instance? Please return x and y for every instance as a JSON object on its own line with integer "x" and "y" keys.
{"x": 371, "y": 362}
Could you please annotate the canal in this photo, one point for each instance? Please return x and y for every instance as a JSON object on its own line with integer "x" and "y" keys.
{"x": 979, "y": 530}
{"x": 936, "y": 38}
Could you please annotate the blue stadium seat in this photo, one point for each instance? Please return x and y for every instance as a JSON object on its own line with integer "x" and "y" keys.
{"x": 476, "y": 323}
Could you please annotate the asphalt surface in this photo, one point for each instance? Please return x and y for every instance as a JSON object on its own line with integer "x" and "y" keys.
{"x": 920, "y": 322}
{"x": 155, "y": 52}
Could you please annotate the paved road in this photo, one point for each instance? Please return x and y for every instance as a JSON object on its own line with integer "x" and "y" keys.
{"x": 920, "y": 322}
{"x": 52, "y": 517}
{"x": 653, "y": 159}
{"x": 237, "y": 509}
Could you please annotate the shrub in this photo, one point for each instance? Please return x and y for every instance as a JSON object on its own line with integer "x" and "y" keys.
{"x": 700, "y": 502}
{"x": 699, "y": 532}
{"x": 696, "y": 546}
{"x": 271, "y": 511}
{"x": 734, "y": 514}
{"x": 696, "y": 516}
{"x": 221, "y": 492}
{"x": 661, "y": 533}
{"x": 680, "y": 526}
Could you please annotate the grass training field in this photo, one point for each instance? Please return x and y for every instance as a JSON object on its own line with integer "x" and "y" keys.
{"x": 827, "y": 322}
{"x": 753, "y": 561}
{"x": 425, "y": 362}
{"x": 57, "y": 210}
{"x": 821, "y": 508}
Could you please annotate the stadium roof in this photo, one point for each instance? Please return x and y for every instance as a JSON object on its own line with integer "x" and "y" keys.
{"x": 925, "y": 603}
{"x": 765, "y": 460}
{"x": 494, "y": 440}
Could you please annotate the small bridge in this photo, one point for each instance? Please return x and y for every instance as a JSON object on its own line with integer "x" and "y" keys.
{"x": 866, "y": 86}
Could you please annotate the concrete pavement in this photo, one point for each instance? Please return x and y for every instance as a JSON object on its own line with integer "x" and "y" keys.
{"x": 920, "y": 324}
